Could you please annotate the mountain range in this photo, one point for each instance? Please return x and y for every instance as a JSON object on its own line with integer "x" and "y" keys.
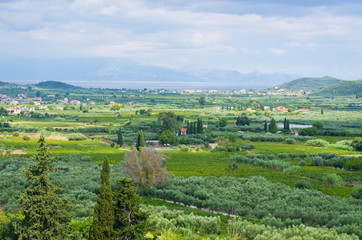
{"x": 111, "y": 72}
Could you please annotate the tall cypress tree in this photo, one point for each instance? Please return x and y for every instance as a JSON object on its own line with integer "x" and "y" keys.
{"x": 191, "y": 128}
{"x": 140, "y": 140}
{"x": 194, "y": 130}
{"x": 288, "y": 126}
{"x": 102, "y": 227}
{"x": 119, "y": 137}
{"x": 46, "y": 215}
{"x": 199, "y": 126}
{"x": 273, "y": 127}
{"x": 285, "y": 124}
{"x": 265, "y": 126}
{"x": 130, "y": 220}
{"x": 188, "y": 128}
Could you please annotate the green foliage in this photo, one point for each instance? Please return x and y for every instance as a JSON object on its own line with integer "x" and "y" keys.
{"x": 102, "y": 227}
{"x": 168, "y": 120}
{"x": 312, "y": 131}
{"x": 357, "y": 144}
{"x": 119, "y": 137}
{"x": 303, "y": 184}
{"x": 258, "y": 197}
{"x": 223, "y": 122}
{"x": 140, "y": 142}
{"x": 46, "y": 216}
{"x": 162, "y": 219}
{"x": 273, "y": 127}
{"x": 317, "y": 143}
{"x": 167, "y": 137}
{"x": 318, "y": 125}
{"x": 130, "y": 220}
{"x": 26, "y": 138}
{"x": 249, "y": 231}
{"x": 243, "y": 120}
{"x": 76, "y": 137}
{"x": 357, "y": 193}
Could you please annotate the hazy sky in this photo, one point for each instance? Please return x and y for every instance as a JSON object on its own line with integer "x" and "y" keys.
{"x": 305, "y": 37}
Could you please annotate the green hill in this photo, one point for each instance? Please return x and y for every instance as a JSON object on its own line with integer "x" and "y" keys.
{"x": 55, "y": 85}
{"x": 310, "y": 84}
{"x": 341, "y": 88}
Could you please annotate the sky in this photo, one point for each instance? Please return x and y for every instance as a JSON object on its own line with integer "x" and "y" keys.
{"x": 304, "y": 37}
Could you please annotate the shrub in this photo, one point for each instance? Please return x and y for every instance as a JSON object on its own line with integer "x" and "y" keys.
{"x": 317, "y": 161}
{"x": 289, "y": 141}
{"x": 26, "y": 138}
{"x": 303, "y": 184}
{"x": 302, "y": 163}
{"x": 317, "y": 143}
{"x": 184, "y": 148}
{"x": 247, "y": 146}
{"x": 76, "y": 137}
{"x": 282, "y": 156}
{"x": 357, "y": 193}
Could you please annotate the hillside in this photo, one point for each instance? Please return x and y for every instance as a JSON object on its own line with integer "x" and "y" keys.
{"x": 342, "y": 88}
{"x": 55, "y": 85}
{"x": 310, "y": 84}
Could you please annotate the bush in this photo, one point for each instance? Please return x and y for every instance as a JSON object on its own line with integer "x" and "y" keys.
{"x": 317, "y": 143}
{"x": 317, "y": 161}
{"x": 303, "y": 184}
{"x": 26, "y": 138}
{"x": 357, "y": 193}
{"x": 302, "y": 163}
{"x": 184, "y": 149}
{"x": 76, "y": 137}
{"x": 289, "y": 141}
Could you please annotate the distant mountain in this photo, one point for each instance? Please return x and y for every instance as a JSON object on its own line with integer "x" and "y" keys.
{"x": 310, "y": 84}
{"x": 341, "y": 88}
{"x": 55, "y": 85}
{"x": 119, "y": 73}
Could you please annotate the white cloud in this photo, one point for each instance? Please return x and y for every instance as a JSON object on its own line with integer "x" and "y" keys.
{"x": 277, "y": 51}
{"x": 162, "y": 34}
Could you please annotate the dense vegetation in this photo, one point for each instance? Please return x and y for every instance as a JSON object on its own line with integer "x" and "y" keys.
{"x": 282, "y": 174}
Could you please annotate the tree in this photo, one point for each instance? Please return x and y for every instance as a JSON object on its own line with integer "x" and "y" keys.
{"x": 37, "y": 93}
{"x": 202, "y": 100}
{"x": 318, "y": 125}
{"x": 130, "y": 220}
{"x": 273, "y": 127}
{"x": 46, "y": 216}
{"x": 148, "y": 168}
{"x": 357, "y": 144}
{"x": 243, "y": 120}
{"x": 119, "y": 137}
{"x": 199, "y": 126}
{"x": 332, "y": 179}
{"x": 322, "y": 110}
{"x": 265, "y": 126}
{"x": 3, "y": 112}
{"x": 223, "y": 122}
{"x": 167, "y": 137}
{"x": 140, "y": 140}
{"x": 103, "y": 221}
{"x": 168, "y": 120}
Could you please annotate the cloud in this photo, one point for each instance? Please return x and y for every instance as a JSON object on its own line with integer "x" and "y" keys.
{"x": 212, "y": 32}
{"x": 277, "y": 51}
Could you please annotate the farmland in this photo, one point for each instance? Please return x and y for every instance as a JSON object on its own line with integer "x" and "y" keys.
{"x": 227, "y": 139}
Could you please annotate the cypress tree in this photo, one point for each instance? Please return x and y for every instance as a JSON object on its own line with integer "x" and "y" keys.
{"x": 130, "y": 220}
{"x": 119, "y": 137}
{"x": 140, "y": 140}
{"x": 194, "y": 130}
{"x": 273, "y": 127}
{"x": 285, "y": 124}
{"x": 265, "y": 126}
{"x": 191, "y": 128}
{"x": 188, "y": 128}
{"x": 102, "y": 227}
{"x": 199, "y": 126}
{"x": 46, "y": 216}
{"x": 288, "y": 126}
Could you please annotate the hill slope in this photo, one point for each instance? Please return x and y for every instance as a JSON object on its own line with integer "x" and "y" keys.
{"x": 310, "y": 84}
{"x": 341, "y": 88}
{"x": 55, "y": 85}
